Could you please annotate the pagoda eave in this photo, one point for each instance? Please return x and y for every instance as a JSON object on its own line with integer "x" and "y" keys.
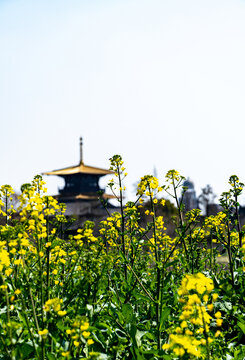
{"x": 86, "y": 197}
{"x": 80, "y": 169}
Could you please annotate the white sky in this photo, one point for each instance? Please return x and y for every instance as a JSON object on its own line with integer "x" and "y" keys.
{"x": 161, "y": 82}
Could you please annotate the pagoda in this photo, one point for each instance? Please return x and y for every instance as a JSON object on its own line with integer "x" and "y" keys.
{"x": 80, "y": 193}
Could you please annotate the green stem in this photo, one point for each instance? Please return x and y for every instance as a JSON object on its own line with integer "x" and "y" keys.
{"x": 123, "y": 220}
{"x": 158, "y": 273}
{"x": 181, "y": 219}
{"x": 229, "y": 253}
{"x": 34, "y": 311}
{"x": 48, "y": 257}
{"x": 140, "y": 283}
{"x": 28, "y": 326}
{"x": 238, "y": 223}
{"x": 9, "y": 325}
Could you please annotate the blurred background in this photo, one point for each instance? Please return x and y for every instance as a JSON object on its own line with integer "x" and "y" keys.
{"x": 161, "y": 82}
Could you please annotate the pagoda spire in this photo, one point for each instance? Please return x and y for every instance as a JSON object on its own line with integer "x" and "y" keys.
{"x": 81, "y": 151}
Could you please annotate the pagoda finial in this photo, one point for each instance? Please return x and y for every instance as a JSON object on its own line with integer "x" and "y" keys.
{"x": 81, "y": 150}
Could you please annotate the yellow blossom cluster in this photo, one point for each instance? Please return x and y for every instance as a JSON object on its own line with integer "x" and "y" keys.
{"x": 183, "y": 344}
{"x": 215, "y": 221}
{"x": 6, "y": 198}
{"x": 55, "y": 306}
{"x": 119, "y": 171}
{"x": 173, "y": 175}
{"x": 4, "y": 259}
{"x": 193, "y": 332}
{"x": 79, "y": 333}
{"x": 160, "y": 240}
{"x": 148, "y": 186}
{"x": 192, "y": 215}
{"x": 110, "y": 229}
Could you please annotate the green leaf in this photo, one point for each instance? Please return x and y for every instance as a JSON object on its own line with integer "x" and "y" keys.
{"x": 136, "y": 352}
{"x": 3, "y": 310}
{"x": 171, "y": 263}
{"x": 132, "y": 332}
{"x": 127, "y": 312}
{"x": 150, "y": 336}
{"x": 241, "y": 326}
{"x": 139, "y": 296}
{"x": 120, "y": 333}
{"x": 164, "y": 317}
{"x": 25, "y": 350}
{"x": 51, "y": 356}
{"x": 60, "y": 325}
{"x": 139, "y": 334}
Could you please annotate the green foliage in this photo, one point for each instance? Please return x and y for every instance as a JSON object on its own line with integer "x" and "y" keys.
{"x": 136, "y": 291}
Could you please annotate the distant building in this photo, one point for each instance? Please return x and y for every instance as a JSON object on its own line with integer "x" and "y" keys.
{"x": 80, "y": 193}
{"x": 205, "y": 201}
{"x": 189, "y": 198}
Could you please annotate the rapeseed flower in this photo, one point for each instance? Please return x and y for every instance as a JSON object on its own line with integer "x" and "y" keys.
{"x": 43, "y": 332}
{"x": 195, "y": 297}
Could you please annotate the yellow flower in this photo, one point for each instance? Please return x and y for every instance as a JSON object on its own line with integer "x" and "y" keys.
{"x": 17, "y": 261}
{"x": 219, "y": 322}
{"x": 65, "y": 353}
{"x": 217, "y": 315}
{"x": 43, "y": 332}
{"x": 183, "y": 324}
{"x": 4, "y": 258}
{"x": 22, "y": 252}
{"x": 178, "y": 330}
{"x": 200, "y": 330}
{"x": 215, "y": 296}
{"x": 179, "y": 351}
{"x": 84, "y": 326}
{"x": 86, "y": 334}
{"x": 90, "y": 341}
{"x": 76, "y": 343}
{"x": 8, "y": 272}
{"x": 62, "y": 313}
{"x": 17, "y": 291}
{"x": 205, "y": 298}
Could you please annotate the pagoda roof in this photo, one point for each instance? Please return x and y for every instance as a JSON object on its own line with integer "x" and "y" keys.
{"x": 87, "y": 197}
{"x": 79, "y": 169}
{"x": 66, "y": 198}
